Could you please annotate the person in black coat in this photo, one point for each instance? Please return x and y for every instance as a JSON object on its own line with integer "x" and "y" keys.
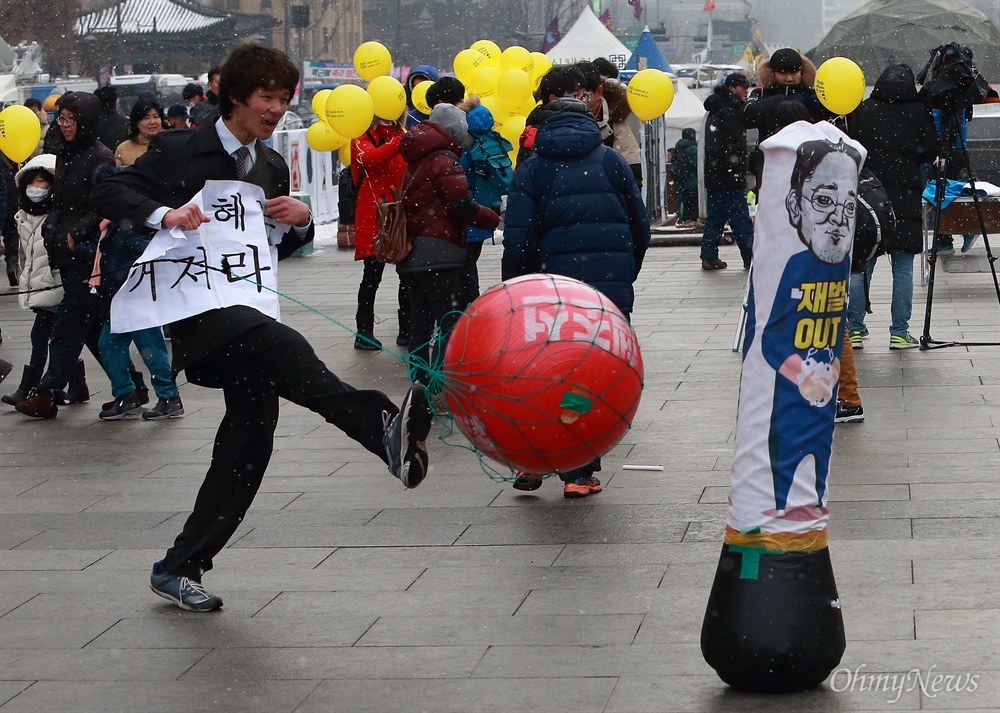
{"x": 250, "y": 356}
{"x": 113, "y": 127}
{"x": 70, "y": 234}
{"x": 786, "y": 76}
{"x": 898, "y": 131}
{"x": 726, "y": 172}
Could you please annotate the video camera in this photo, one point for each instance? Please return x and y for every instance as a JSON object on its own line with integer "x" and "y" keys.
{"x": 950, "y": 80}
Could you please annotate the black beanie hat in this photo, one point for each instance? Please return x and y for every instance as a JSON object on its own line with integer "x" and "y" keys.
{"x": 786, "y": 60}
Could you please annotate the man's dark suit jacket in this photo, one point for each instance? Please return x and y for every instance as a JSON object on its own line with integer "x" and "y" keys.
{"x": 170, "y": 173}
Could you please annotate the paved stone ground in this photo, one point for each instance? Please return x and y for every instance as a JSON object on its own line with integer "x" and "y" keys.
{"x": 345, "y": 592}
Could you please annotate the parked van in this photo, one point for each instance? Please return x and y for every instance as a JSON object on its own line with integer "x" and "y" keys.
{"x": 165, "y": 88}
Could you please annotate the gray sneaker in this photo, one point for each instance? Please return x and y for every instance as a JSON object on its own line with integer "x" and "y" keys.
{"x": 165, "y": 408}
{"x": 186, "y": 593}
{"x": 903, "y": 342}
{"x": 405, "y": 435}
{"x": 121, "y": 407}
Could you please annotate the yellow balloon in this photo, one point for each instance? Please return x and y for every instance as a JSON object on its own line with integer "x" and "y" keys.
{"x": 349, "y": 110}
{"x": 319, "y": 103}
{"x": 484, "y": 82}
{"x": 650, "y": 93}
{"x": 541, "y": 65}
{"x": 372, "y": 59}
{"x": 514, "y": 84}
{"x": 496, "y": 109}
{"x": 466, "y": 63}
{"x": 388, "y": 97}
{"x": 419, "y": 97}
{"x": 840, "y": 85}
{"x": 490, "y": 50}
{"x": 19, "y": 132}
{"x": 322, "y": 138}
{"x": 516, "y": 57}
{"x": 512, "y": 129}
{"x": 344, "y": 154}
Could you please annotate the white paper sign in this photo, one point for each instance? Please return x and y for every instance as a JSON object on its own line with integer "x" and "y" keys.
{"x": 228, "y": 261}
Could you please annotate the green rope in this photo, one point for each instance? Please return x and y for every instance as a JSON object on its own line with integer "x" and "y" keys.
{"x": 439, "y": 384}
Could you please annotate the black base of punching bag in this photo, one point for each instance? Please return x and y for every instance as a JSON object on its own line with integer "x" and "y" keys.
{"x": 773, "y": 623}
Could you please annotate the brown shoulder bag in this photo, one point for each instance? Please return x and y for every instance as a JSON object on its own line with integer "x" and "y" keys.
{"x": 392, "y": 244}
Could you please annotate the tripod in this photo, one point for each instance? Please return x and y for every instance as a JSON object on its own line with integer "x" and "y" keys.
{"x": 950, "y": 130}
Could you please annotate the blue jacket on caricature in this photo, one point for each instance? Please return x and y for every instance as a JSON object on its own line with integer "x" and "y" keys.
{"x": 574, "y": 209}
{"x": 480, "y": 122}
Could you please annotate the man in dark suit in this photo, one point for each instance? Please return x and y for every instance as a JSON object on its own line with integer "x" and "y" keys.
{"x": 250, "y": 356}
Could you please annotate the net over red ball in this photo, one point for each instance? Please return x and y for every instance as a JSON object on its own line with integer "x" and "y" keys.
{"x": 543, "y": 373}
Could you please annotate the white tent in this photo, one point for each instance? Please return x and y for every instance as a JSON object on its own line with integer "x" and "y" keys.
{"x": 686, "y": 110}
{"x": 589, "y": 39}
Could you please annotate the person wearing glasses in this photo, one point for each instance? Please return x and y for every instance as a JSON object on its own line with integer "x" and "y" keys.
{"x": 895, "y": 157}
{"x": 607, "y": 100}
{"x": 561, "y": 81}
{"x": 70, "y": 234}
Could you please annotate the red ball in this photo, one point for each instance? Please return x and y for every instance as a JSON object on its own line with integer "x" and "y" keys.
{"x": 543, "y": 373}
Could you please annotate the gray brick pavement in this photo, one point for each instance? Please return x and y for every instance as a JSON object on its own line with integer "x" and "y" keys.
{"x": 345, "y": 592}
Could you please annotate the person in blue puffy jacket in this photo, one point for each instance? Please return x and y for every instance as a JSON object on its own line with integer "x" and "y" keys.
{"x": 575, "y": 209}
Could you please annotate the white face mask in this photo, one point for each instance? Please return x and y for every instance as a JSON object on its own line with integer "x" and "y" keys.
{"x": 36, "y": 194}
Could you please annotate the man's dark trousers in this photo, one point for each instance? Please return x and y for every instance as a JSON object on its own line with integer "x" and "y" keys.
{"x": 727, "y": 206}
{"x": 261, "y": 365}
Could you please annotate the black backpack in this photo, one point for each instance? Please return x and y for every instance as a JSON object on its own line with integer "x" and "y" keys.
{"x": 347, "y": 194}
{"x": 875, "y": 227}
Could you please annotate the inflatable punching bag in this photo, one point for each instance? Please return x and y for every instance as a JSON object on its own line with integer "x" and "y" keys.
{"x": 773, "y": 622}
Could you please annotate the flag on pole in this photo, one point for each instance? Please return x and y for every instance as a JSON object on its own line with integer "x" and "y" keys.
{"x": 709, "y": 5}
{"x": 552, "y": 34}
{"x": 636, "y": 8}
{"x": 605, "y": 18}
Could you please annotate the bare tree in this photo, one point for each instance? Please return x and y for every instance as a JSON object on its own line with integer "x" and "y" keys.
{"x": 51, "y": 26}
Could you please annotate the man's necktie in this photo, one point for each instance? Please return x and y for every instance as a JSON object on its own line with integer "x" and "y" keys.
{"x": 242, "y": 157}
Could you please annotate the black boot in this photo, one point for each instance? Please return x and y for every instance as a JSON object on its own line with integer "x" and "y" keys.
{"x": 29, "y": 379}
{"x": 366, "y": 340}
{"x": 77, "y": 392}
{"x": 403, "y": 338}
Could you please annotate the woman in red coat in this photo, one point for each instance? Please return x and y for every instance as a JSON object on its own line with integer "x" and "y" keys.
{"x": 376, "y": 162}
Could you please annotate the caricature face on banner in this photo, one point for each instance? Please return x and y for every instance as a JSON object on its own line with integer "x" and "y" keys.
{"x": 795, "y": 329}
{"x": 822, "y": 201}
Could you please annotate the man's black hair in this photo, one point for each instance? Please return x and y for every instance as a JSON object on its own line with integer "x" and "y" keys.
{"x": 212, "y": 72}
{"x": 447, "y": 90}
{"x": 606, "y": 67}
{"x": 811, "y": 154}
{"x": 785, "y": 114}
{"x": 591, "y": 75}
{"x": 192, "y": 90}
{"x": 252, "y": 66}
{"x": 33, "y": 103}
{"x": 108, "y": 96}
{"x": 559, "y": 81}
